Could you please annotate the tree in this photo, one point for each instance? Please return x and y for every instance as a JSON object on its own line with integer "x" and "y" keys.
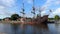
{"x": 0, "y": 19}
{"x": 56, "y": 17}
{"x": 14, "y": 16}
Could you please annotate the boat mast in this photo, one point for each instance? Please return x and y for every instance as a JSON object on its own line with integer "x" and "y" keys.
{"x": 23, "y": 9}
{"x": 50, "y": 12}
{"x": 39, "y": 12}
{"x": 33, "y": 10}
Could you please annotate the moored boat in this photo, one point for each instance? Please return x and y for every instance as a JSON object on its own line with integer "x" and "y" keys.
{"x": 39, "y": 20}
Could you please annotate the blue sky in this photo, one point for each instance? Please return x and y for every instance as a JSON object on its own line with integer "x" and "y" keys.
{"x": 9, "y": 7}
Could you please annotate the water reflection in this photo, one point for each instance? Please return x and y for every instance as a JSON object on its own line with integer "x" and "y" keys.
{"x": 30, "y": 29}
{"x": 40, "y": 29}
{"x": 14, "y": 28}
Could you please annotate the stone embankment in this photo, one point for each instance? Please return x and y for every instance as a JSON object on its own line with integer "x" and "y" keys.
{"x": 10, "y": 21}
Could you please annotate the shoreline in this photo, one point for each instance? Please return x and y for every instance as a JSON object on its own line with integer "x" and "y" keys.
{"x": 19, "y": 22}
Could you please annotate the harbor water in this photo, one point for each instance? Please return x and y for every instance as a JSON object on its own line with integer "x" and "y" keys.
{"x": 29, "y": 29}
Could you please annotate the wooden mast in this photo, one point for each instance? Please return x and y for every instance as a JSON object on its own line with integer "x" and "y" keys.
{"x": 50, "y": 12}
{"x": 23, "y": 14}
{"x": 33, "y": 9}
{"x": 39, "y": 12}
{"x": 23, "y": 9}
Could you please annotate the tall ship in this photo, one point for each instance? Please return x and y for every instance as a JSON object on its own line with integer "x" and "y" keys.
{"x": 38, "y": 19}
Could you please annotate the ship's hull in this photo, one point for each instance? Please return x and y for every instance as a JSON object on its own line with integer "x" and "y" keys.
{"x": 39, "y": 20}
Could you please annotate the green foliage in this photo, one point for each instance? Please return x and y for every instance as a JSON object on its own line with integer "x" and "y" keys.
{"x": 50, "y": 18}
{"x": 14, "y": 17}
{"x": 0, "y": 19}
{"x": 56, "y": 17}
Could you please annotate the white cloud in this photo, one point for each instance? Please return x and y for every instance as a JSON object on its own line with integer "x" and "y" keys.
{"x": 46, "y": 5}
{"x": 7, "y": 3}
{"x": 56, "y": 12}
{"x": 2, "y": 7}
{"x": 4, "y": 11}
{"x": 4, "y": 4}
{"x": 58, "y": 2}
{"x": 49, "y": 3}
{"x": 29, "y": 1}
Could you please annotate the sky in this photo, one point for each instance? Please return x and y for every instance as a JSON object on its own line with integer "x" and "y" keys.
{"x": 9, "y": 7}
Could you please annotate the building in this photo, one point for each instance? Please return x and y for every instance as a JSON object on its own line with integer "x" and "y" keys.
{"x": 7, "y": 19}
